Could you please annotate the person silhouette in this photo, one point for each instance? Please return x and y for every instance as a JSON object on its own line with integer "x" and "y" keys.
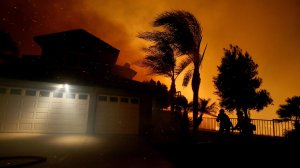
{"x": 225, "y": 123}
{"x": 240, "y": 119}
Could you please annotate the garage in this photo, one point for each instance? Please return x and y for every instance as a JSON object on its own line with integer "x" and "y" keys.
{"x": 117, "y": 115}
{"x": 42, "y": 111}
{"x": 74, "y": 86}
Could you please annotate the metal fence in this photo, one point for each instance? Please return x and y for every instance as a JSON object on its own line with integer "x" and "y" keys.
{"x": 273, "y": 127}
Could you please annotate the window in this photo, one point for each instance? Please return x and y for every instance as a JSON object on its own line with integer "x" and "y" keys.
{"x": 30, "y": 93}
{"x": 58, "y": 94}
{"x": 134, "y": 101}
{"x": 83, "y": 97}
{"x": 102, "y": 98}
{"x": 15, "y": 91}
{"x": 70, "y": 96}
{"x": 113, "y": 99}
{"x": 44, "y": 93}
{"x": 2, "y": 90}
{"x": 124, "y": 100}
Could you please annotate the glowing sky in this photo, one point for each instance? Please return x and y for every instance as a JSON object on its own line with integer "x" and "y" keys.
{"x": 267, "y": 29}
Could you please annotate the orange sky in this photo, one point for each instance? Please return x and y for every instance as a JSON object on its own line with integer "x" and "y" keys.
{"x": 267, "y": 29}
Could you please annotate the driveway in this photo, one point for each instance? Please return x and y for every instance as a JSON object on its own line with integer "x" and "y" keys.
{"x": 77, "y": 150}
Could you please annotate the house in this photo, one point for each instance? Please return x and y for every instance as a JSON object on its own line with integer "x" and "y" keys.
{"x": 71, "y": 88}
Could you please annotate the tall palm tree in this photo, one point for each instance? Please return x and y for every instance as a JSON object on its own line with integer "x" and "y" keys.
{"x": 160, "y": 59}
{"x": 185, "y": 35}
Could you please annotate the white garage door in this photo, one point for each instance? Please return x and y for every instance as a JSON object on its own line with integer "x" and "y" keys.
{"x": 117, "y": 115}
{"x": 43, "y": 111}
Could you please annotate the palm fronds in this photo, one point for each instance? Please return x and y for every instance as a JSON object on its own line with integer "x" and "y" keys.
{"x": 186, "y": 30}
{"x": 187, "y": 77}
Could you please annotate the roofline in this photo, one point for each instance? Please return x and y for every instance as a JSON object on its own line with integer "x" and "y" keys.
{"x": 38, "y": 38}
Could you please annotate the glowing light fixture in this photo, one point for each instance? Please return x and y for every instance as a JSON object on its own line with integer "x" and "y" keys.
{"x": 60, "y": 86}
{"x": 66, "y": 86}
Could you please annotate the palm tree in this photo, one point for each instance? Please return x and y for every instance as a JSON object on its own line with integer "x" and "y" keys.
{"x": 160, "y": 59}
{"x": 291, "y": 110}
{"x": 205, "y": 107}
{"x": 184, "y": 33}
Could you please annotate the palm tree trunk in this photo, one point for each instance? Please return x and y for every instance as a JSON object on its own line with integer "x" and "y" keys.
{"x": 195, "y": 86}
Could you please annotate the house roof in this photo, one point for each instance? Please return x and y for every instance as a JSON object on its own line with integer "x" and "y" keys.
{"x": 77, "y": 39}
{"x": 72, "y": 40}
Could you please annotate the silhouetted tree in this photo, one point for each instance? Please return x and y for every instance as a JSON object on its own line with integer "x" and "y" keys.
{"x": 291, "y": 110}
{"x": 160, "y": 92}
{"x": 237, "y": 83}
{"x": 205, "y": 106}
{"x": 184, "y": 33}
{"x": 8, "y": 49}
{"x": 160, "y": 60}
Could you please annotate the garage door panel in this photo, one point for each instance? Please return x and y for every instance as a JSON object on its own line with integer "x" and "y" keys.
{"x": 64, "y": 128}
{"x": 10, "y": 126}
{"x": 43, "y": 104}
{"x": 82, "y": 107}
{"x": 79, "y": 118}
{"x": 80, "y": 112}
{"x": 13, "y": 103}
{"x": 40, "y": 98}
{"x": 41, "y": 115}
{"x": 59, "y": 116}
{"x": 31, "y": 110}
{"x": 27, "y": 115}
{"x": 26, "y": 121}
{"x": 12, "y": 115}
{"x": 28, "y": 103}
{"x": 25, "y": 126}
{"x": 63, "y": 105}
{"x": 58, "y": 110}
{"x": 40, "y": 127}
{"x": 57, "y": 105}
{"x": 56, "y": 128}
{"x": 119, "y": 116}
{"x": 85, "y": 102}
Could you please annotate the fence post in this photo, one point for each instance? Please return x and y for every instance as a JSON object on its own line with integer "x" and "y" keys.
{"x": 273, "y": 128}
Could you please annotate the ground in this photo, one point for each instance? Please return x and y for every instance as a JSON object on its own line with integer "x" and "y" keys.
{"x": 65, "y": 151}
{"x": 109, "y": 151}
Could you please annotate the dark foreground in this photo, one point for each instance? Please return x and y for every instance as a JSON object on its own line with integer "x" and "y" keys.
{"x": 207, "y": 149}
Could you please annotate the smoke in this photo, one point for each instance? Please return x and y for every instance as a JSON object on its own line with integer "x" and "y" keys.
{"x": 110, "y": 21}
{"x": 267, "y": 29}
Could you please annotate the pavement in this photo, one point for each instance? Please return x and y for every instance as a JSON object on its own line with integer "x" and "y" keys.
{"x": 79, "y": 150}
{"x": 132, "y": 151}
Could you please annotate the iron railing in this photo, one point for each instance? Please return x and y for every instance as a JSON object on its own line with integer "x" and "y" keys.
{"x": 273, "y": 127}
